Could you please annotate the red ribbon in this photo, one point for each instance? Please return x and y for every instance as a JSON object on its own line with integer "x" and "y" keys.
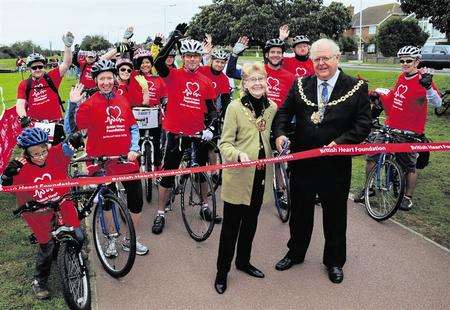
{"x": 338, "y": 150}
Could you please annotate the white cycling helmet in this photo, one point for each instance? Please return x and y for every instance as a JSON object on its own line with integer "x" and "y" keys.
{"x": 220, "y": 54}
{"x": 34, "y": 57}
{"x": 191, "y": 46}
{"x": 409, "y": 51}
{"x": 300, "y": 39}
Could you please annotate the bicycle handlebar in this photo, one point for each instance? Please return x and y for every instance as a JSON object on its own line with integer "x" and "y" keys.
{"x": 32, "y": 206}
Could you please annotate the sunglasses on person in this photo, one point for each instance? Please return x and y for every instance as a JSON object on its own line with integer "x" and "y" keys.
{"x": 40, "y": 67}
{"x": 125, "y": 70}
{"x": 407, "y": 61}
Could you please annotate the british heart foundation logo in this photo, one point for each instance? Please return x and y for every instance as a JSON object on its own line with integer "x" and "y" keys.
{"x": 113, "y": 115}
{"x": 300, "y": 71}
{"x": 401, "y": 90}
{"x": 192, "y": 89}
{"x": 39, "y": 193}
{"x": 273, "y": 84}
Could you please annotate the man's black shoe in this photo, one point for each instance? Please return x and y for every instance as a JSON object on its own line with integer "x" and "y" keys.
{"x": 158, "y": 224}
{"x": 335, "y": 274}
{"x": 251, "y": 271}
{"x": 286, "y": 262}
{"x": 206, "y": 215}
{"x": 220, "y": 284}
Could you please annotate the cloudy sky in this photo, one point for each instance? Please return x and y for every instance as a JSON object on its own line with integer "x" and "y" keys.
{"x": 44, "y": 21}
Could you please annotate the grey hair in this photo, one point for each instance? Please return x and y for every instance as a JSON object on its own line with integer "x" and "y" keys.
{"x": 327, "y": 43}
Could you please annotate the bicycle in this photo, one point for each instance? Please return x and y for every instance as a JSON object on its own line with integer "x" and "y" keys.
{"x": 193, "y": 188}
{"x": 445, "y": 103}
{"x": 111, "y": 219}
{"x": 386, "y": 182}
{"x": 147, "y": 118}
{"x": 72, "y": 266}
{"x": 281, "y": 188}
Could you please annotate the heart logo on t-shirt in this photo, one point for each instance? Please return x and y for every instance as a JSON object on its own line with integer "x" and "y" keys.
{"x": 192, "y": 88}
{"x": 401, "y": 90}
{"x": 273, "y": 83}
{"x": 113, "y": 114}
{"x": 151, "y": 85}
{"x": 300, "y": 71}
{"x": 41, "y": 192}
{"x": 214, "y": 85}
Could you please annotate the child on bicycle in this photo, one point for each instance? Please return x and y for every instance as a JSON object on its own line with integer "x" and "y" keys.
{"x": 41, "y": 163}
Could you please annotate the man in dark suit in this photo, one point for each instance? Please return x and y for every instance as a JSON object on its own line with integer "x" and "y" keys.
{"x": 330, "y": 108}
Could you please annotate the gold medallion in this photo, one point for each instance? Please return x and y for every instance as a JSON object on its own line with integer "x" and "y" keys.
{"x": 260, "y": 124}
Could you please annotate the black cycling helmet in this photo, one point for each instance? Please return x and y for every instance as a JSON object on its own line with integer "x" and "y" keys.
{"x": 173, "y": 52}
{"x": 220, "y": 54}
{"x": 31, "y": 137}
{"x": 274, "y": 43}
{"x": 300, "y": 39}
{"x": 36, "y": 57}
{"x": 103, "y": 65}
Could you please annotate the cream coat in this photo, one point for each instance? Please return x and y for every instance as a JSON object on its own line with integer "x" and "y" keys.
{"x": 241, "y": 135}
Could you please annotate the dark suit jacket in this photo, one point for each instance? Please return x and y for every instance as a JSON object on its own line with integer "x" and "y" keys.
{"x": 347, "y": 122}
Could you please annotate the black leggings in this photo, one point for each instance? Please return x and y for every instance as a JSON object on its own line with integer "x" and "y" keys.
{"x": 134, "y": 195}
{"x": 174, "y": 149}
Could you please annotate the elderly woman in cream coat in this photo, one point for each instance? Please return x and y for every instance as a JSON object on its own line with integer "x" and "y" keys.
{"x": 245, "y": 136}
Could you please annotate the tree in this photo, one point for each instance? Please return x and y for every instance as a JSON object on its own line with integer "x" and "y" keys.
{"x": 348, "y": 44}
{"x": 436, "y": 10}
{"x": 94, "y": 43}
{"x": 25, "y": 48}
{"x": 226, "y": 20}
{"x": 397, "y": 33}
{"x": 334, "y": 20}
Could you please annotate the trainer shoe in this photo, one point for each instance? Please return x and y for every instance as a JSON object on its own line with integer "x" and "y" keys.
{"x": 406, "y": 204}
{"x": 140, "y": 248}
{"x": 39, "y": 290}
{"x": 360, "y": 198}
{"x": 111, "y": 248}
{"x": 158, "y": 224}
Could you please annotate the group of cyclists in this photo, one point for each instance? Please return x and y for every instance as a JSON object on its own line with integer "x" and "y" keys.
{"x": 191, "y": 99}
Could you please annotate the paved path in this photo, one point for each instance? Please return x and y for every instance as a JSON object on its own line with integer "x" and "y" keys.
{"x": 388, "y": 267}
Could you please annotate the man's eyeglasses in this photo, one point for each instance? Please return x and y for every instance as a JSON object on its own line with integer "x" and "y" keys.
{"x": 39, "y": 155}
{"x": 324, "y": 59}
{"x": 407, "y": 61}
{"x": 125, "y": 70}
{"x": 40, "y": 67}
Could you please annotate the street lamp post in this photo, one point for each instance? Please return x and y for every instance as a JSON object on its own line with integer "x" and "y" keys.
{"x": 165, "y": 17}
{"x": 360, "y": 52}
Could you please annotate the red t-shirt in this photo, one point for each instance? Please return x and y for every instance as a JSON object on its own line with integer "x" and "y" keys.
{"x": 55, "y": 168}
{"x": 156, "y": 90}
{"x": 85, "y": 74}
{"x": 298, "y": 68}
{"x": 43, "y": 103}
{"x": 187, "y": 95}
{"x": 407, "y": 105}
{"x": 279, "y": 82}
{"x": 108, "y": 122}
{"x": 219, "y": 81}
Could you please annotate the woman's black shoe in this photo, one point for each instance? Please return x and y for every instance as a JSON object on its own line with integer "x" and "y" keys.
{"x": 220, "y": 284}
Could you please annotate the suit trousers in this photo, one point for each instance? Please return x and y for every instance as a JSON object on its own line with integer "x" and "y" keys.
{"x": 331, "y": 182}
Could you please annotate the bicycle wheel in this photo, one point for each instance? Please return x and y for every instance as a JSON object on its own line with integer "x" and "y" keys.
{"x": 193, "y": 190}
{"x": 74, "y": 277}
{"x": 281, "y": 191}
{"x": 384, "y": 189}
{"x": 113, "y": 228}
{"x": 148, "y": 168}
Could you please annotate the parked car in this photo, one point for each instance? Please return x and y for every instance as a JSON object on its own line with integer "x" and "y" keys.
{"x": 436, "y": 56}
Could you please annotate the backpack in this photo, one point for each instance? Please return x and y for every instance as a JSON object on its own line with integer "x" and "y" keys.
{"x": 50, "y": 84}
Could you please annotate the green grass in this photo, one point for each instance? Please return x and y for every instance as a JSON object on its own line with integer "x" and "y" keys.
{"x": 430, "y": 215}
